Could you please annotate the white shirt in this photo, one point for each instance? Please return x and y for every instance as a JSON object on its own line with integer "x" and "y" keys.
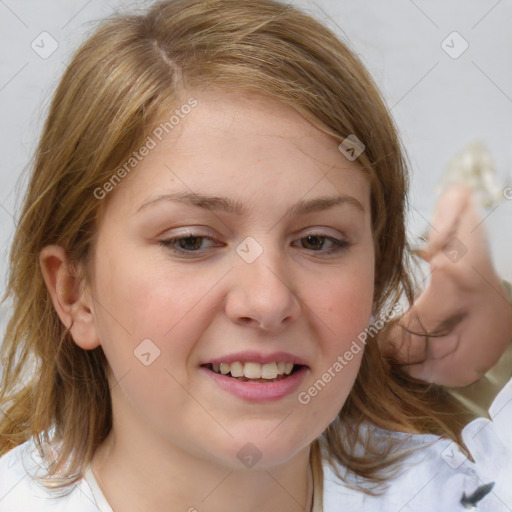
{"x": 432, "y": 479}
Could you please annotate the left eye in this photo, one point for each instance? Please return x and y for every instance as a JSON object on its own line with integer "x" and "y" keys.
{"x": 318, "y": 241}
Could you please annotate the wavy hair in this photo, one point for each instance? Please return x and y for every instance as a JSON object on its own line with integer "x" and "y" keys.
{"x": 134, "y": 68}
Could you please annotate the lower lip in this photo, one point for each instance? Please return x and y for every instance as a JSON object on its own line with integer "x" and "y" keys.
{"x": 259, "y": 391}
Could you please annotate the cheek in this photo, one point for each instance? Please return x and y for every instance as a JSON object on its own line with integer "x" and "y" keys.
{"x": 140, "y": 300}
{"x": 348, "y": 307}
{"x": 343, "y": 308}
{"x": 345, "y": 301}
{"x": 149, "y": 320}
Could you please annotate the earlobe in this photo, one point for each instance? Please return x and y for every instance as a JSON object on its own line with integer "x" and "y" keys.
{"x": 70, "y": 300}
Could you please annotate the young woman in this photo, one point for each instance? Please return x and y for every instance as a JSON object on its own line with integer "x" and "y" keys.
{"x": 209, "y": 262}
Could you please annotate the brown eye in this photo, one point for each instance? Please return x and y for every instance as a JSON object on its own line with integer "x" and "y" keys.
{"x": 187, "y": 244}
{"x": 314, "y": 241}
{"x": 190, "y": 243}
{"x": 317, "y": 243}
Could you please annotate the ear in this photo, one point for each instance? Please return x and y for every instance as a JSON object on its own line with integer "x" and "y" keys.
{"x": 70, "y": 300}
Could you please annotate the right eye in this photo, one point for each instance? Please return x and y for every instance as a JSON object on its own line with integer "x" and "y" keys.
{"x": 191, "y": 243}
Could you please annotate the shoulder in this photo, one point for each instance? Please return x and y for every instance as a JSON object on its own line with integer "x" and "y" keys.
{"x": 438, "y": 475}
{"x": 21, "y": 492}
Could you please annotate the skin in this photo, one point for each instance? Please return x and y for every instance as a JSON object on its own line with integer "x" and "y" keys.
{"x": 464, "y": 300}
{"x": 176, "y": 433}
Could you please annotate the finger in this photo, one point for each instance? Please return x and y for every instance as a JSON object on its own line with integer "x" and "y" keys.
{"x": 419, "y": 371}
{"x": 424, "y": 253}
{"x": 403, "y": 346}
{"x": 448, "y": 213}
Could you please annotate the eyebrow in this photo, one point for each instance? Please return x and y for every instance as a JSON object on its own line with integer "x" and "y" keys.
{"x": 214, "y": 203}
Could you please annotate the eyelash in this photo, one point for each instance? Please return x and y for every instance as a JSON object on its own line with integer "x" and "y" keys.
{"x": 338, "y": 245}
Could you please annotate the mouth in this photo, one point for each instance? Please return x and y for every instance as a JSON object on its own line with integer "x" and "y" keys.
{"x": 251, "y": 371}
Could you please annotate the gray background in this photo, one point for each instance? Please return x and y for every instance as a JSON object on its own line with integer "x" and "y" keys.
{"x": 439, "y": 103}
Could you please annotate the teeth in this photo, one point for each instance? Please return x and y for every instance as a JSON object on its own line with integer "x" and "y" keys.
{"x": 269, "y": 371}
{"x": 251, "y": 370}
{"x": 237, "y": 369}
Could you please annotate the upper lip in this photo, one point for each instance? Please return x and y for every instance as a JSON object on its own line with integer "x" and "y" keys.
{"x": 258, "y": 357}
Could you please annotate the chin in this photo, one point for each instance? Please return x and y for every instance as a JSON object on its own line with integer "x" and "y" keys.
{"x": 261, "y": 450}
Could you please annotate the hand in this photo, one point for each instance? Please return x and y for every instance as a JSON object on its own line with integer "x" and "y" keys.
{"x": 465, "y": 302}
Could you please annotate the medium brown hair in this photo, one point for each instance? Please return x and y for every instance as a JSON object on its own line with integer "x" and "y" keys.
{"x": 130, "y": 72}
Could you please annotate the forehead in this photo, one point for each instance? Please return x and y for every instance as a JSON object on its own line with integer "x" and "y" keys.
{"x": 244, "y": 146}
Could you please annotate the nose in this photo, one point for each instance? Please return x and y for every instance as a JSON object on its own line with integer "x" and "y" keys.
{"x": 262, "y": 294}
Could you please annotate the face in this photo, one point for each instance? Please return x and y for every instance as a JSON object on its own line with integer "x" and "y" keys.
{"x": 233, "y": 270}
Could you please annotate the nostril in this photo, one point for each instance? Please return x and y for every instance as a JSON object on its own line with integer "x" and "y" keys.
{"x": 248, "y": 321}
